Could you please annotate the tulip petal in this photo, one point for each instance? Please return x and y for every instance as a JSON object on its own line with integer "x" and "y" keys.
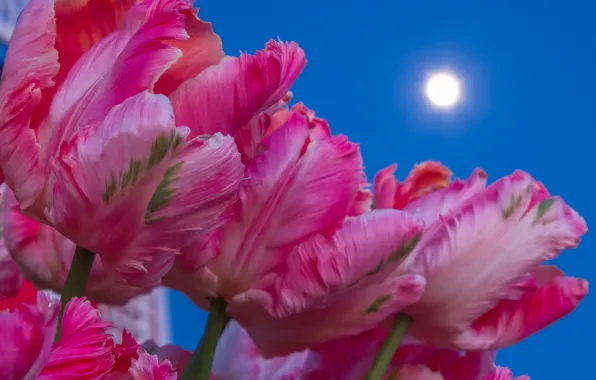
{"x": 237, "y": 357}
{"x": 502, "y": 373}
{"x": 147, "y": 367}
{"x": 513, "y": 320}
{"x": 136, "y": 56}
{"x": 335, "y": 287}
{"x": 31, "y": 63}
{"x": 28, "y": 334}
{"x": 109, "y": 173}
{"x": 295, "y": 189}
{"x": 201, "y": 50}
{"x": 225, "y": 97}
{"x": 443, "y": 202}
{"x": 199, "y": 186}
{"x": 472, "y": 258}
{"x": 83, "y": 347}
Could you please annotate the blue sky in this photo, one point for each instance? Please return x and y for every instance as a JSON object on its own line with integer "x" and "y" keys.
{"x": 528, "y": 70}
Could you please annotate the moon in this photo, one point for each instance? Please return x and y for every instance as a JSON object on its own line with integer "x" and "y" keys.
{"x": 443, "y": 90}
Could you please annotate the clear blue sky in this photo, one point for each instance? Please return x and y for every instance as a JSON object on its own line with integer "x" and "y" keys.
{"x": 530, "y": 102}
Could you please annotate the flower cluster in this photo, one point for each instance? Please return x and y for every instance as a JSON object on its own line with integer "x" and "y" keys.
{"x": 135, "y": 154}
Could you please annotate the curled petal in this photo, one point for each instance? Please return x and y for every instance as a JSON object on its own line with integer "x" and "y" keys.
{"x": 201, "y": 50}
{"x": 335, "y": 287}
{"x": 385, "y": 187}
{"x": 28, "y": 333}
{"x": 136, "y": 55}
{"x": 511, "y": 321}
{"x": 415, "y": 372}
{"x": 225, "y": 97}
{"x": 31, "y": 63}
{"x": 84, "y": 345}
{"x": 109, "y": 173}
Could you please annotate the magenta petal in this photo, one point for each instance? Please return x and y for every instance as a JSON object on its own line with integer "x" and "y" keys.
{"x": 84, "y": 348}
{"x": 28, "y": 333}
{"x": 136, "y": 55}
{"x": 31, "y": 63}
{"x": 225, "y": 97}
{"x": 335, "y": 287}
{"x": 295, "y": 189}
{"x": 513, "y": 320}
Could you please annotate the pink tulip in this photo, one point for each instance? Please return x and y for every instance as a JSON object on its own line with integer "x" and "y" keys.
{"x": 300, "y": 184}
{"x": 98, "y": 153}
{"x": 351, "y": 358}
{"x": 237, "y": 357}
{"x": 29, "y": 352}
{"x": 482, "y": 254}
{"x": 44, "y": 257}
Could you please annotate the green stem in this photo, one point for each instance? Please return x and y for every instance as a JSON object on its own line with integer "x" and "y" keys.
{"x": 199, "y": 367}
{"x": 396, "y": 335}
{"x": 75, "y": 281}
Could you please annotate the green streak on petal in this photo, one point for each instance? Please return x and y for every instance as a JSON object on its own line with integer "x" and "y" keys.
{"x": 406, "y": 248}
{"x": 164, "y": 191}
{"x": 376, "y": 305}
{"x": 138, "y": 167}
{"x": 543, "y": 208}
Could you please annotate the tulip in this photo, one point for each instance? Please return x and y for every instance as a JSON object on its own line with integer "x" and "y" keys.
{"x": 98, "y": 154}
{"x": 482, "y": 255}
{"x": 45, "y": 257}
{"x": 502, "y": 373}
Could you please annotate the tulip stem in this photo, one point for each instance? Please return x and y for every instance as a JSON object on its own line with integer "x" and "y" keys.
{"x": 396, "y": 335}
{"x": 199, "y": 367}
{"x": 82, "y": 262}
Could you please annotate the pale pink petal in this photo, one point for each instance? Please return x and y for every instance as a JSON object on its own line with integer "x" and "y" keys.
{"x": 31, "y": 63}
{"x": 84, "y": 345}
{"x": 178, "y": 357}
{"x": 514, "y": 320}
{"x": 199, "y": 186}
{"x": 297, "y": 188}
{"x": 502, "y": 373}
{"x": 109, "y": 174}
{"x": 335, "y": 287}
{"x": 147, "y": 367}
{"x": 27, "y": 335}
{"x": 473, "y": 256}
{"x": 364, "y": 199}
{"x": 225, "y": 97}
{"x": 136, "y": 56}
{"x": 446, "y": 201}
{"x": 201, "y": 50}
{"x": 385, "y": 187}
{"x": 237, "y": 357}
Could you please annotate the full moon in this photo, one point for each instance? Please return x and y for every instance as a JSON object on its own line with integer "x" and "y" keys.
{"x": 443, "y": 90}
